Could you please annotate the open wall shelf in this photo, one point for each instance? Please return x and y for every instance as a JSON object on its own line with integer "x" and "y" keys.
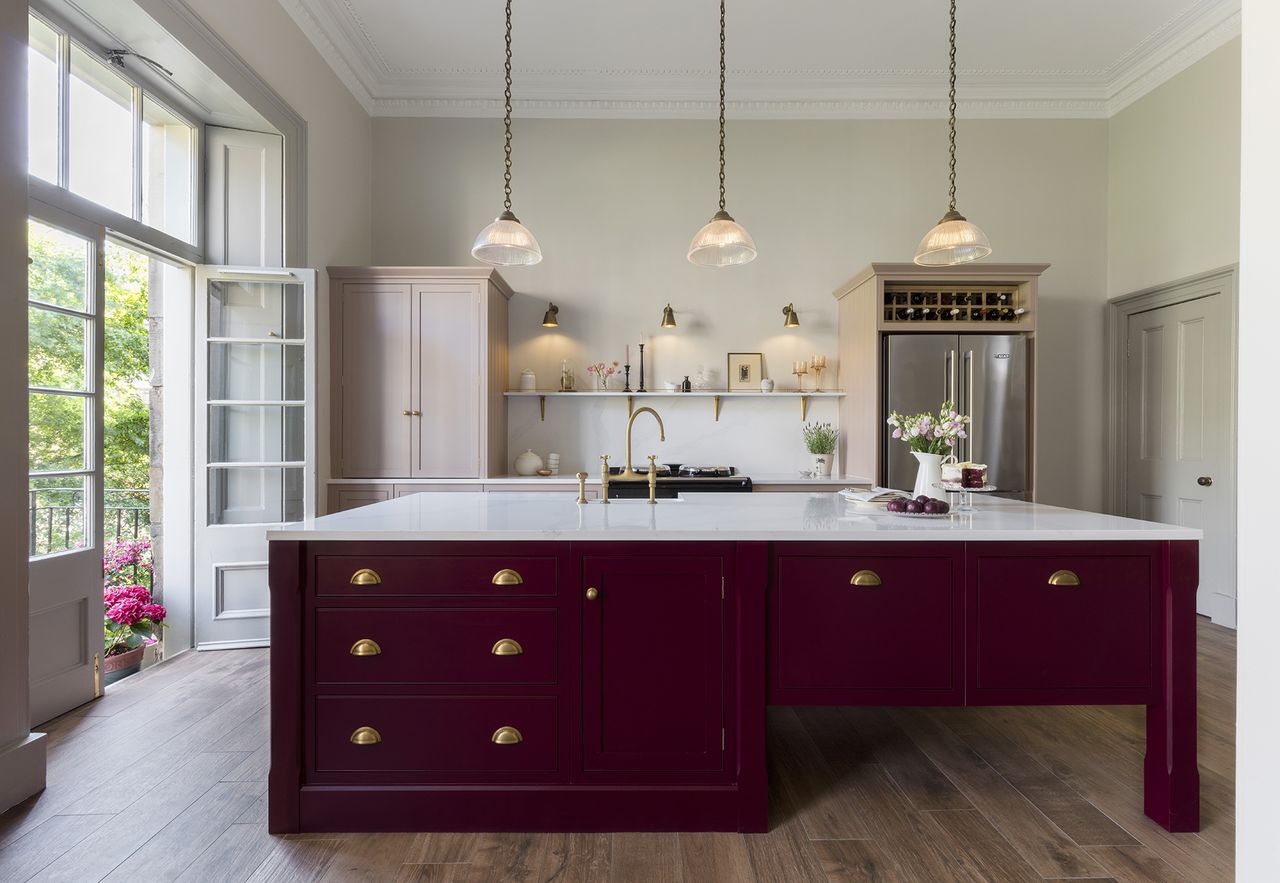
{"x": 714, "y": 395}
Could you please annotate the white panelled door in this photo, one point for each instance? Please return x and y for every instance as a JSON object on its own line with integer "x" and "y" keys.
{"x": 255, "y": 439}
{"x": 1179, "y": 467}
{"x": 64, "y": 331}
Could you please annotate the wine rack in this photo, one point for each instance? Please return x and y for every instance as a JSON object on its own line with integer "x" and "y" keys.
{"x": 992, "y": 304}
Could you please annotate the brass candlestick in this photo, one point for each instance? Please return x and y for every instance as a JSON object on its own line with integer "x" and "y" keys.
{"x": 800, "y": 370}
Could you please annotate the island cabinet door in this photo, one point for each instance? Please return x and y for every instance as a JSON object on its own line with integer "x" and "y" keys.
{"x": 1075, "y": 620}
{"x": 653, "y": 664}
{"x": 878, "y": 625}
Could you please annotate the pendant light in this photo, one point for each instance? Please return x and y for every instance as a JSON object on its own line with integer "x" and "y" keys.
{"x": 954, "y": 240}
{"x": 722, "y": 242}
{"x": 506, "y": 242}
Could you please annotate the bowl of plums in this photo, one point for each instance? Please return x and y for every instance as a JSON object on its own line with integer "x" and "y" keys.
{"x": 920, "y": 507}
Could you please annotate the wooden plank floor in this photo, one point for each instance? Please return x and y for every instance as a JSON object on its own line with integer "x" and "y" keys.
{"x": 1001, "y": 794}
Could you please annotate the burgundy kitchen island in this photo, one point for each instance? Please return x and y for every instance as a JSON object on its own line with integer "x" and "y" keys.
{"x": 519, "y": 662}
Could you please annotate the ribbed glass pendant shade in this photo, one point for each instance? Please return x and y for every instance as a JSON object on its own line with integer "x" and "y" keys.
{"x": 722, "y": 242}
{"x": 506, "y": 243}
{"x": 953, "y": 241}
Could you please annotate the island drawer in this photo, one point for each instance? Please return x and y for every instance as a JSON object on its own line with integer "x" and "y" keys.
{"x": 1063, "y": 622}
{"x": 859, "y": 623}
{"x": 496, "y": 576}
{"x": 435, "y": 646}
{"x": 435, "y": 734}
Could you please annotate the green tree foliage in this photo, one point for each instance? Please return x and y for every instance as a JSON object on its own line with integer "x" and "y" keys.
{"x": 58, "y": 351}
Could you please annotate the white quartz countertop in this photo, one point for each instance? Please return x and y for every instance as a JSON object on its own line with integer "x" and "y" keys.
{"x": 822, "y": 515}
{"x": 565, "y": 479}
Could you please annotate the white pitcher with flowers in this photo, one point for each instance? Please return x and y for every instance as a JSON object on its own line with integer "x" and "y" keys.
{"x": 933, "y": 439}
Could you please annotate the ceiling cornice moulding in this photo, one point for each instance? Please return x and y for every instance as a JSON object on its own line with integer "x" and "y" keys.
{"x": 909, "y": 92}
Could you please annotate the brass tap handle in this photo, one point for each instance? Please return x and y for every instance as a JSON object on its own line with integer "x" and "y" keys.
{"x": 582, "y": 488}
{"x": 604, "y": 479}
{"x": 653, "y": 478}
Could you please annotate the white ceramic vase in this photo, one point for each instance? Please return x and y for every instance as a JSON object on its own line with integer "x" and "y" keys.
{"x": 822, "y": 464}
{"x": 928, "y": 473}
{"x": 528, "y": 463}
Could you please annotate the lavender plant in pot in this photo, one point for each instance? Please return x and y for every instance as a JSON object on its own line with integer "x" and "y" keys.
{"x": 932, "y": 438}
{"x": 820, "y": 439}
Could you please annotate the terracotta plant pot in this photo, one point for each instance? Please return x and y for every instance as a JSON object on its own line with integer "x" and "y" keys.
{"x": 122, "y": 665}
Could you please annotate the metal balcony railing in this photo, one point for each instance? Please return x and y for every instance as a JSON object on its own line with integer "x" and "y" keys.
{"x": 55, "y": 517}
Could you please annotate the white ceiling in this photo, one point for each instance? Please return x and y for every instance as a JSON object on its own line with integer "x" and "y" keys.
{"x": 793, "y": 59}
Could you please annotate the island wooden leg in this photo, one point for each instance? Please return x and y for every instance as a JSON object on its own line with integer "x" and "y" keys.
{"x": 285, "y": 776}
{"x": 1172, "y": 777}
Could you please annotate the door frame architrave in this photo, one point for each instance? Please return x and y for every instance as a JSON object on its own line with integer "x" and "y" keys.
{"x": 1224, "y": 281}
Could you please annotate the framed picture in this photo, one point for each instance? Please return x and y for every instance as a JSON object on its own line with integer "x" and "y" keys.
{"x": 746, "y": 370}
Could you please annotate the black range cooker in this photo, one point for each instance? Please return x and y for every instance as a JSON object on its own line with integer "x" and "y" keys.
{"x": 675, "y": 479}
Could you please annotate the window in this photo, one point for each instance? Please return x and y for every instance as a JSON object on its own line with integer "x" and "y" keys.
{"x": 61, "y": 394}
{"x": 95, "y": 132}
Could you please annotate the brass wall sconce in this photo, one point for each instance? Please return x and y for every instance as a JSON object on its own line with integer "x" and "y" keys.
{"x": 792, "y": 320}
{"x": 549, "y": 317}
{"x": 668, "y": 317}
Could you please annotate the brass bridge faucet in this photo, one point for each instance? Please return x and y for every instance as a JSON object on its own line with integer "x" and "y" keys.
{"x": 628, "y": 472}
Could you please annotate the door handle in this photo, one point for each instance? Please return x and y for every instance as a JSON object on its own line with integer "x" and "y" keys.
{"x": 948, "y": 381}
{"x": 1205, "y": 481}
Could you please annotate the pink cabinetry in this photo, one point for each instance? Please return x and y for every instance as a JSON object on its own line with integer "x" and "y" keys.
{"x": 419, "y": 356}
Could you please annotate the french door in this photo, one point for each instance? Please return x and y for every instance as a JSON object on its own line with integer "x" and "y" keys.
{"x": 64, "y": 490}
{"x": 255, "y": 439}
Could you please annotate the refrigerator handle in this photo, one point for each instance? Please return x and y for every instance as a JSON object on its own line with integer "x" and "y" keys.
{"x": 948, "y": 377}
{"x": 972, "y": 441}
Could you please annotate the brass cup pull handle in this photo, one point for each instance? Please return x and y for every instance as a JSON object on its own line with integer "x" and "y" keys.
{"x": 865, "y": 578}
{"x": 507, "y": 647}
{"x": 365, "y": 577}
{"x": 593, "y": 593}
{"x": 507, "y": 736}
{"x": 366, "y": 647}
{"x": 507, "y": 577}
{"x": 1064, "y": 578}
{"x": 366, "y": 736}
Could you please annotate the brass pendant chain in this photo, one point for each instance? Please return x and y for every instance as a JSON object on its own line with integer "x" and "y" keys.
{"x": 952, "y": 121}
{"x": 721, "y": 105}
{"x": 506, "y": 120}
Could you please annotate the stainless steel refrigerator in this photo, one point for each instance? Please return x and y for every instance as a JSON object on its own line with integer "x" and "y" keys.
{"x": 986, "y": 375}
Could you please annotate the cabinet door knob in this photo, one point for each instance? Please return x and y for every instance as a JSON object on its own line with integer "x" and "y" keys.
{"x": 407, "y": 413}
{"x": 865, "y": 578}
{"x": 415, "y": 413}
{"x": 1205, "y": 481}
{"x": 366, "y": 647}
{"x": 593, "y": 593}
{"x": 507, "y": 577}
{"x": 507, "y": 736}
{"x": 507, "y": 647}
{"x": 365, "y": 577}
{"x": 366, "y": 736}
{"x": 1064, "y": 578}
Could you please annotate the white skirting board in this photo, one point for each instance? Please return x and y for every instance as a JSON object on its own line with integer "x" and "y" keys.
{"x": 22, "y": 769}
